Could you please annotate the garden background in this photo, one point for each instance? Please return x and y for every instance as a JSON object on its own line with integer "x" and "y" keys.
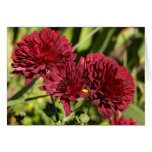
{"x": 126, "y": 45}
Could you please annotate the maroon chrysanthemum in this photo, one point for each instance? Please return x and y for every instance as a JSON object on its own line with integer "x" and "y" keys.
{"x": 123, "y": 121}
{"x": 65, "y": 83}
{"x": 111, "y": 86}
{"x": 38, "y": 52}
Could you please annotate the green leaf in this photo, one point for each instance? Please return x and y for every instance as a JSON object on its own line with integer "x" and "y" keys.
{"x": 68, "y": 32}
{"x": 107, "y": 40}
{"x": 106, "y": 122}
{"x": 32, "y": 29}
{"x": 14, "y": 102}
{"x": 10, "y": 48}
{"x": 136, "y": 113}
{"x": 50, "y": 110}
{"x": 103, "y": 39}
{"x": 124, "y": 35}
{"x": 139, "y": 35}
{"x": 141, "y": 52}
{"x": 69, "y": 118}
{"x": 23, "y": 90}
{"x": 21, "y": 32}
{"x": 33, "y": 98}
{"x": 84, "y": 33}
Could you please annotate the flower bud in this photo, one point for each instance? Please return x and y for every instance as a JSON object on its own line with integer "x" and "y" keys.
{"x": 84, "y": 118}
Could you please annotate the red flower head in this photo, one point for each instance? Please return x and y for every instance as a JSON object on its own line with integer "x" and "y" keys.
{"x": 111, "y": 86}
{"x": 65, "y": 83}
{"x": 37, "y": 53}
{"x": 123, "y": 121}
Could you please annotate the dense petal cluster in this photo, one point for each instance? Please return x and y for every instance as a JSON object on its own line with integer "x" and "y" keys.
{"x": 35, "y": 54}
{"x": 65, "y": 83}
{"x": 123, "y": 121}
{"x": 49, "y": 55}
{"x": 111, "y": 86}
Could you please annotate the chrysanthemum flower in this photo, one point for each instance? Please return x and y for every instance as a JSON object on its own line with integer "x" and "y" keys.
{"x": 38, "y": 52}
{"x": 65, "y": 83}
{"x": 111, "y": 86}
{"x": 123, "y": 121}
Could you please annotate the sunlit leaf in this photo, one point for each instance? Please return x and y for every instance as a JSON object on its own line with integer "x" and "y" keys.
{"x": 125, "y": 34}
{"x": 136, "y": 113}
{"x": 14, "y": 102}
{"x": 68, "y": 32}
{"x": 84, "y": 33}
{"x": 102, "y": 40}
{"x": 23, "y": 90}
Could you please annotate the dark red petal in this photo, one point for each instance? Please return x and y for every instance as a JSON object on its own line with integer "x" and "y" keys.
{"x": 28, "y": 80}
{"x": 67, "y": 108}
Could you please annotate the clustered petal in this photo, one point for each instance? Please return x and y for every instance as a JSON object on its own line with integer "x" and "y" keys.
{"x": 111, "y": 86}
{"x": 123, "y": 121}
{"x": 65, "y": 83}
{"x": 38, "y": 52}
{"x": 49, "y": 55}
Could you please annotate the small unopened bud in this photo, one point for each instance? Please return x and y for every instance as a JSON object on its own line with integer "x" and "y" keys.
{"x": 84, "y": 118}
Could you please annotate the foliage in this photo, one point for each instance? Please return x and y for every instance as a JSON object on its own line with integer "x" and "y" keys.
{"x": 125, "y": 45}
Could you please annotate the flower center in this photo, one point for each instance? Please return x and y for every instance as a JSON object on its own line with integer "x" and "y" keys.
{"x": 62, "y": 86}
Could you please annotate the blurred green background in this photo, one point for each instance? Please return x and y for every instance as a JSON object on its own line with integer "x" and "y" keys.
{"x": 126, "y": 45}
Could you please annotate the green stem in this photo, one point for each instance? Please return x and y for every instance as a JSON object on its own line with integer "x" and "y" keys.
{"x": 134, "y": 74}
{"x": 90, "y": 103}
{"x": 66, "y": 118}
{"x": 125, "y": 58}
{"x": 86, "y": 38}
{"x": 23, "y": 90}
{"x": 14, "y": 102}
{"x": 56, "y": 116}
